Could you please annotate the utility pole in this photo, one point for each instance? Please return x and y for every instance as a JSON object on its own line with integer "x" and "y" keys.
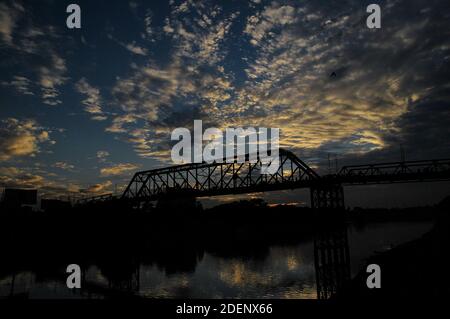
{"x": 402, "y": 153}
{"x": 336, "y": 163}
{"x": 329, "y": 164}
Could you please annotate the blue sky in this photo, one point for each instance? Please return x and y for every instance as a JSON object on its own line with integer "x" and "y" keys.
{"x": 81, "y": 110}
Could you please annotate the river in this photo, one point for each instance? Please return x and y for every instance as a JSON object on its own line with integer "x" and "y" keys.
{"x": 287, "y": 271}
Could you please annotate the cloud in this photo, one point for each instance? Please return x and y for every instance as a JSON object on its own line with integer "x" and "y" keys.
{"x": 9, "y": 15}
{"x": 118, "y": 169}
{"x": 20, "y": 138}
{"x": 288, "y": 83}
{"x": 132, "y": 47}
{"x": 424, "y": 129}
{"x": 33, "y": 47}
{"x": 269, "y": 65}
{"x": 21, "y": 84}
{"x": 64, "y": 166}
{"x": 49, "y": 185}
{"x": 99, "y": 118}
{"x": 149, "y": 33}
{"x": 93, "y": 99}
{"x": 38, "y": 179}
{"x": 272, "y": 17}
{"x": 14, "y": 177}
{"x": 155, "y": 98}
{"x": 199, "y": 36}
{"x": 51, "y": 77}
{"x": 97, "y": 188}
{"x": 102, "y": 155}
{"x": 148, "y": 142}
{"x": 118, "y": 123}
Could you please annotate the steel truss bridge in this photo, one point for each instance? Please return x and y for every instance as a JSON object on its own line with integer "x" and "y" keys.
{"x": 233, "y": 177}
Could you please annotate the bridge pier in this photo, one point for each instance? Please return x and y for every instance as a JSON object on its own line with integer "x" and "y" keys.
{"x": 327, "y": 195}
{"x": 331, "y": 261}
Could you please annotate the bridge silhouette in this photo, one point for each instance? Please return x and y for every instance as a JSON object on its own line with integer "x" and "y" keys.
{"x": 233, "y": 177}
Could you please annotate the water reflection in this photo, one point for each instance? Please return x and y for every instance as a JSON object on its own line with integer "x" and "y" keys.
{"x": 313, "y": 267}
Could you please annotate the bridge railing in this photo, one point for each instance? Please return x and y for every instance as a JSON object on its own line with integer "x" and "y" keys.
{"x": 438, "y": 169}
{"x": 95, "y": 199}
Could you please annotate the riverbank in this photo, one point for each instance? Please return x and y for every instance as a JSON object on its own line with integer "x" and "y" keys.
{"x": 415, "y": 270}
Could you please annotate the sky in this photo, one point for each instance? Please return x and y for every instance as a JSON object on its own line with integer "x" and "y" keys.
{"x": 82, "y": 109}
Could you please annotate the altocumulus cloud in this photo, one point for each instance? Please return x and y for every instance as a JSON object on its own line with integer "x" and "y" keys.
{"x": 287, "y": 51}
{"x": 118, "y": 169}
{"x": 97, "y": 188}
{"x": 92, "y": 101}
{"x": 258, "y": 63}
{"x": 20, "y": 138}
{"x": 33, "y": 46}
{"x": 36, "y": 178}
{"x": 16, "y": 177}
{"x": 64, "y": 166}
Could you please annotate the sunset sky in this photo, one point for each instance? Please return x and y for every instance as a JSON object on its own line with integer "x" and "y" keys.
{"x": 82, "y": 109}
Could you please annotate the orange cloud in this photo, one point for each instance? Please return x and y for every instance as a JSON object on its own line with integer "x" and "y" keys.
{"x": 20, "y": 138}
{"x": 118, "y": 169}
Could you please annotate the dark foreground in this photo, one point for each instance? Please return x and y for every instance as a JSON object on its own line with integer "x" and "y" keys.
{"x": 417, "y": 270}
{"x": 234, "y": 239}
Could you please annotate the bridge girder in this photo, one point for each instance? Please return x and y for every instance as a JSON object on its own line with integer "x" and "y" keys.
{"x": 209, "y": 179}
{"x": 394, "y": 172}
{"x": 212, "y": 179}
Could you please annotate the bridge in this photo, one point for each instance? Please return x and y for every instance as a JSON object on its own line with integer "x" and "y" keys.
{"x": 233, "y": 177}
